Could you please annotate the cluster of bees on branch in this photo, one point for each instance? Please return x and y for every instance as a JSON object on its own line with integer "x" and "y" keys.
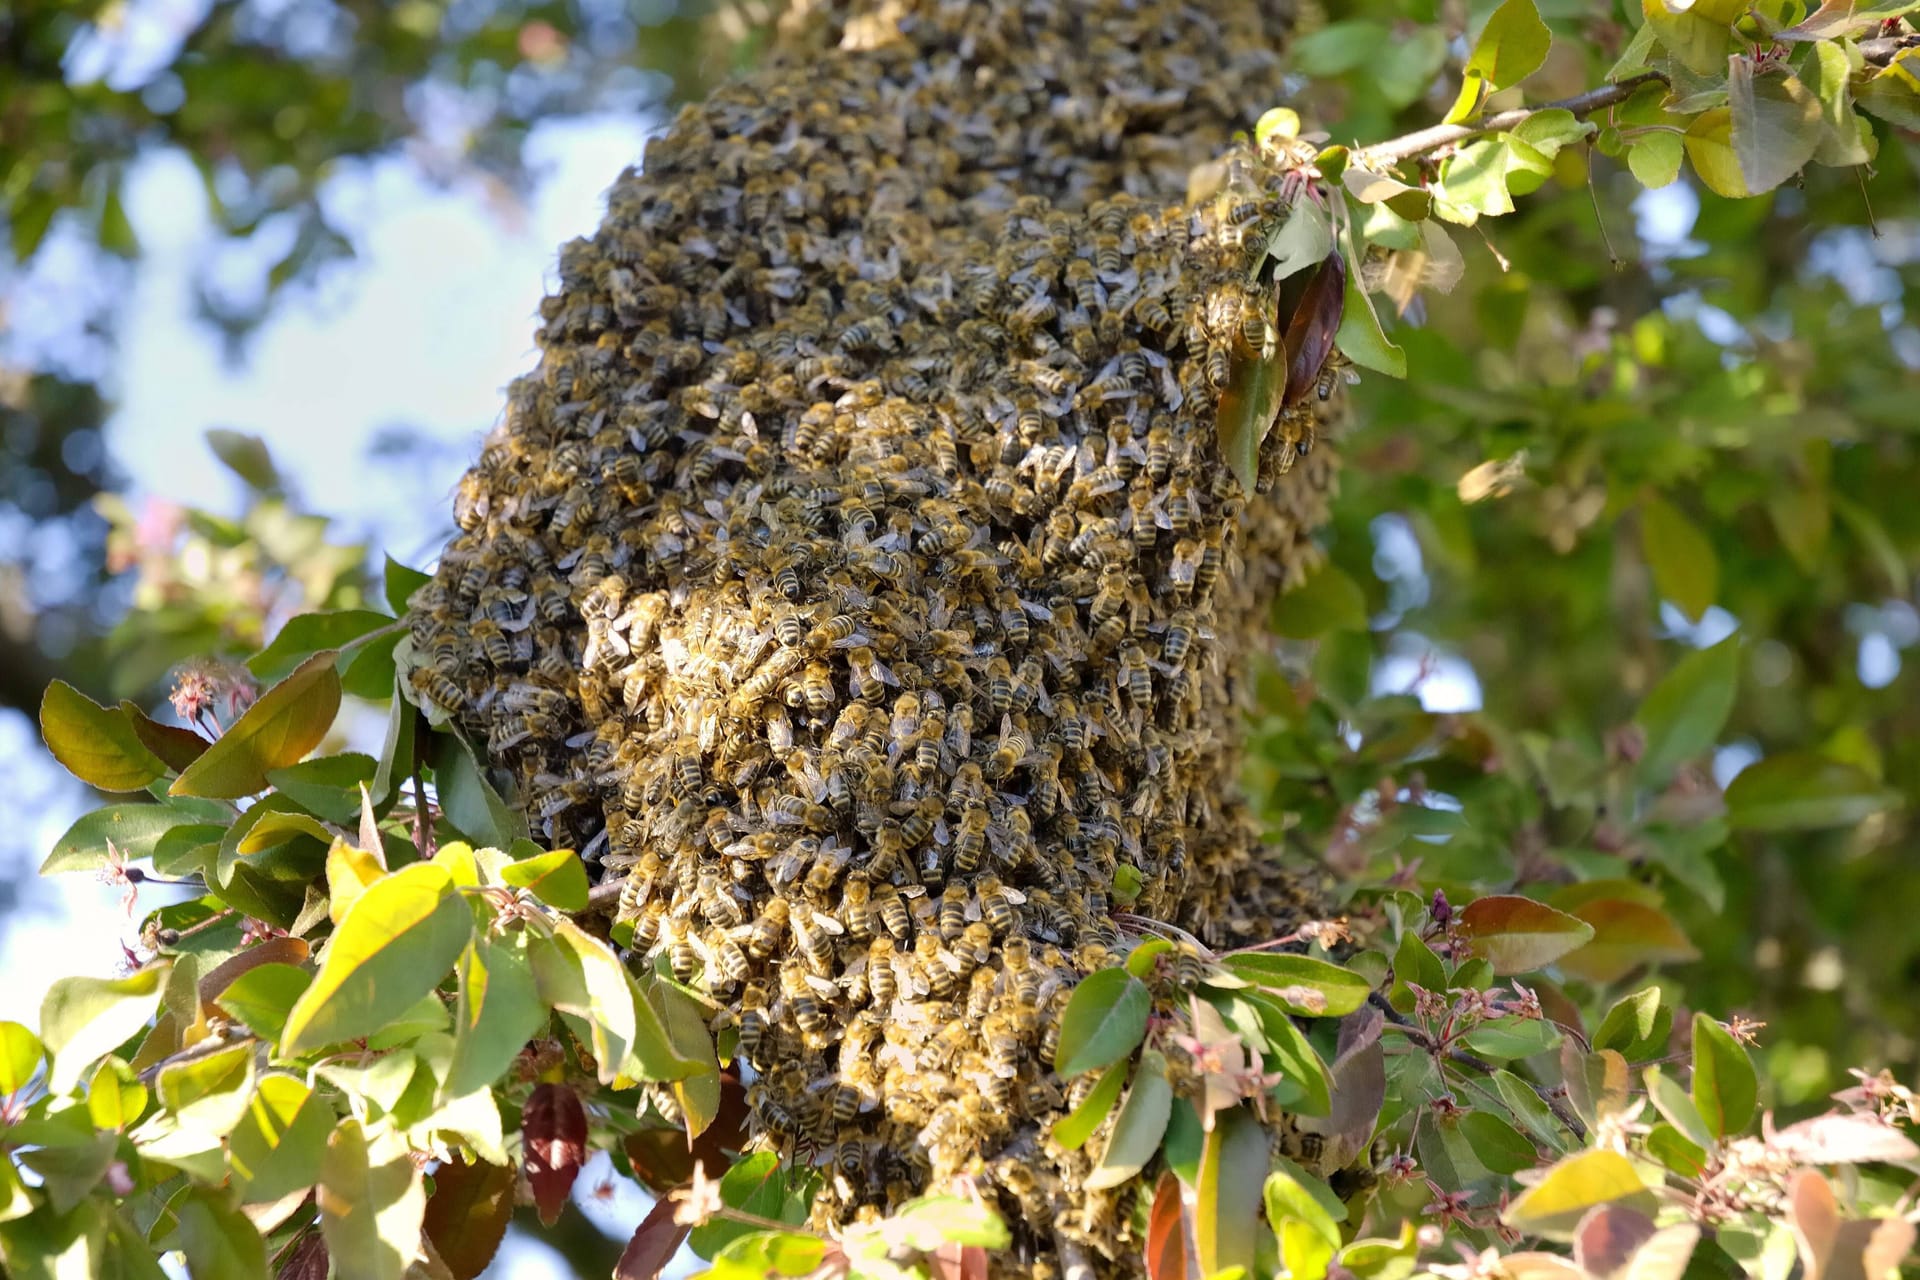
{"x": 857, "y": 578}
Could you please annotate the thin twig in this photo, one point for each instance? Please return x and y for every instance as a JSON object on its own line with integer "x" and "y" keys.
{"x": 1445, "y": 135}
{"x": 1458, "y": 1057}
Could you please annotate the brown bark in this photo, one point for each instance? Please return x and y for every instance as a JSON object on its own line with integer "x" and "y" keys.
{"x": 859, "y": 578}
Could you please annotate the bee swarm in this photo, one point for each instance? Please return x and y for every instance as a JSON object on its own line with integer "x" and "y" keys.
{"x": 859, "y": 580}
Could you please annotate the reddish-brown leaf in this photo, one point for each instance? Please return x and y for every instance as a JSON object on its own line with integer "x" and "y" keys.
{"x": 1607, "y": 1237}
{"x": 467, "y": 1215}
{"x": 178, "y": 747}
{"x": 952, "y": 1261}
{"x": 307, "y": 1260}
{"x": 661, "y": 1159}
{"x": 1314, "y": 322}
{"x": 1167, "y": 1232}
{"x": 268, "y": 951}
{"x": 653, "y": 1245}
{"x": 554, "y": 1128}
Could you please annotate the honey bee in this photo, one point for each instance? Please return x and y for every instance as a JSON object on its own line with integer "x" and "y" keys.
{"x": 953, "y": 910}
{"x": 434, "y": 686}
{"x": 882, "y": 979}
{"x": 1013, "y": 748}
{"x": 816, "y": 686}
{"x": 892, "y": 909}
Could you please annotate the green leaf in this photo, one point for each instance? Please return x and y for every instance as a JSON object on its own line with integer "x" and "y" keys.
{"x": 246, "y": 456}
{"x": 558, "y": 878}
{"x": 1228, "y": 1192}
{"x": 1724, "y": 1088}
{"x": 1672, "y": 1150}
{"x": 1360, "y": 337}
{"x": 68, "y": 1173}
{"x": 1553, "y": 1206}
{"x": 1507, "y": 1039}
{"x": 1893, "y": 93}
{"x": 1685, "y": 569}
{"x": 220, "y": 1243}
{"x": 698, "y": 1093}
{"x": 1474, "y": 179}
{"x": 20, "y": 1057}
{"x": 1337, "y": 48}
{"x": 1312, "y": 988}
{"x": 396, "y": 752}
{"x": 1103, "y": 1021}
{"x": 83, "y": 1019}
{"x": 1548, "y": 130}
{"x": 1801, "y": 791}
{"x": 1655, "y": 162}
{"x": 327, "y": 785}
{"x": 263, "y": 996}
{"x": 1636, "y": 1025}
{"x": 1775, "y": 124}
{"x": 1709, "y": 143}
{"x": 1304, "y": 240}
{"x": 1073, "y": 1129}
{"x": 1141, "y": 1125}
{"x": 96, "y": 744}
{"x": 280, "y": 1142}
{"x": 1675, "y": 1105}
{"x": 1415, "y": 963}
{"x": 1288, "y": 1051}
{"x": 1291, "y": 1193}
{"x": 1529, "y": 1109}
{"x": 400, "y": 583}
{"x": 394, "y": 945}
{"x": 1697, "y": 32}
{"x": 288, "y": 721}
{"x": 578, "y": 974}
{"x": 755, "y": 1185}
{"x": 1328, "y": 600}
{"x": 1511, "y": 47}
{"x": 1517, "y": 935}
{"x": 1843, "y": 141}
{"x": 499, "y": 1011}
{"x": 371, "y": 1206}
{"x": 1249, "y": 405}
{"x": 1682, "y": 717}
{"x": 207, "y": 1094}
{"x": 469, "y": 802}
{"x": 306, "y": 634}
{"x": 1498, "y": 1145}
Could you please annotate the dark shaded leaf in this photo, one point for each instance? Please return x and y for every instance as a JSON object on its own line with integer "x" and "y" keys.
{"x": 467, "y": 1214}
{"x": 177, "y": 746}
{"x": 655, "y": 1242}
{"x": 1312, "y": 325}
{"x": 1799, "y": 791}
{"x": 553, "y": 1129}
{"x": 1518, "y": 934}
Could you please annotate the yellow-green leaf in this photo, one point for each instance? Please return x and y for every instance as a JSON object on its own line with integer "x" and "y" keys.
{"x": 394, "y": 945}
{"x": 1073, "y": 1129}
{"x": 1709, "y": 142}
{"x": 83, "y": 1019}
{"x": 1512, "y": 46}
{"x": 1697, "y": 32}
{"x": 1554, "y": 1206}
{"x": 578, "y": 974}
{"x": 1228, "y": 1191}
{"x": 558, "y": 878}
{"x": 1802, "y": 791}
{"x": 371, "y": 1205}
{"x": 1682, "y": 717}
{"x": 288, "y": 721}
{"x": 498, "y": 1012}
{"x": 276, "y": 1148}
{"x": 20, "y": 1055}
{"x": 96, "y": 744}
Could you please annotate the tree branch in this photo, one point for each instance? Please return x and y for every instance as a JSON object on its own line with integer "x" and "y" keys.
{"x": 1445, "y": 135}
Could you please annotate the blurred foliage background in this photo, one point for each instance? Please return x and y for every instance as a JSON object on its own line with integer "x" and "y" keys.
{"x": 1643, "y": 422}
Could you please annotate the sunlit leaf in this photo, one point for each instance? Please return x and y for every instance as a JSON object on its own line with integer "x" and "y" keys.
{"x": 394, "y": 945}
{"x": 1303, "y": 240}
{"x": 1842, "y": 1138}
{"x": 1228, "y": 1192}
{"x": 1709, "y": 143}
{"x": 277, "y": 1147}
{"x": 278, "y": 730}
{"x": 371, "y": 1206}
{"x": 83, "y": 1019}
{"x": 499, "y": 1010}
{"x": 1361, "y": 339}
{"x": 1103, "y": 1021}
{"x": 1517, "y": 935}
{"x": 558, "y": 878}
{"x": 1306, "y": 986}
{"x": 20, "y": 1057}
{"x": 1636, "y": 1025}
{"x": 1697, "y": 32}
{"x": 1512, "y": 46}
{"x": 1676, "y": 1105}
{"x": 1554, "y": 1206}
{"x": 96, "y": 744}
{"x": 1837, "y": 18}
{"x": 580, "y": 975}
{"x": 1724, "y": 1087}
{"x": 1655, "y": 158}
